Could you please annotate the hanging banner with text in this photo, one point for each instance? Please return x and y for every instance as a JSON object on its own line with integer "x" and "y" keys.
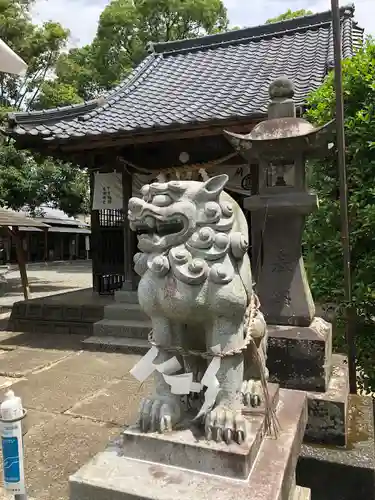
{"x": 107, "y": 191}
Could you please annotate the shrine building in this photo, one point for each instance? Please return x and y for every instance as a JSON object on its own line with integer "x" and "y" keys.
{"x": 167, "y": 119}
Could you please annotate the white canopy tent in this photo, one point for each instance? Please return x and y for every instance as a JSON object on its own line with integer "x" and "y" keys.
{"x": 10, "y": 62}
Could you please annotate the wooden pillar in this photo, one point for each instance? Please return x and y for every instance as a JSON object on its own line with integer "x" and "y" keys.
{"x": 21, "y": 261}
{"x": 94, "y": 243}
{"x": 130, "y": 282}
{"x": 134, "y": 247}
{"x": 257, "y": 222}
{"x": 45, "y": 245}
{"x": 61, "y": 246}
{"x": 27, "y": 239}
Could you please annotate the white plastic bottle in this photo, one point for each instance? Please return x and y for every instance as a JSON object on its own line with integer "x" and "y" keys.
{"x": 11, "y": 437}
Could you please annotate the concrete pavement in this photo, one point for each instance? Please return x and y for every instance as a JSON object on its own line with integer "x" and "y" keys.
{"x": 77, "y": 401}
{"x": 46, "y": 280}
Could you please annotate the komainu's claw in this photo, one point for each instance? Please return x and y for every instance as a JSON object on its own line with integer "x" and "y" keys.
{"x": 252, "y": 393}
{"x": 159, "y": 414}
{"x": 226, "y": 425}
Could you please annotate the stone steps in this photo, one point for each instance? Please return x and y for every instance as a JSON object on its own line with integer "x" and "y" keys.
{"x": 127, "y": 297}
{"x": 124, "y": 319}
{"x": 122, "y": 328}
{"x": 125, "y": 311}
{"x": 70, "y": 317}
{"x": 50, "y": 326}
{"x": 123, "y": 344}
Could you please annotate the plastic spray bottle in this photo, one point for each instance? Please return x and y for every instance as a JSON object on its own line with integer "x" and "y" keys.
{"x": 11, "y": 437}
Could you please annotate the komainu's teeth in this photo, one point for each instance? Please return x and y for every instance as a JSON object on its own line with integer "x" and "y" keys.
{"x": 150, "y": 221}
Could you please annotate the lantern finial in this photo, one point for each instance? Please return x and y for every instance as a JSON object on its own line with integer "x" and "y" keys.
{"x": 281, "y": 88}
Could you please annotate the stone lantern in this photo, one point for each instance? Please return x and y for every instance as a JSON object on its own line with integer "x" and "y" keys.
{"x": 281, "y": 145}
{"x": 300, "y": 345}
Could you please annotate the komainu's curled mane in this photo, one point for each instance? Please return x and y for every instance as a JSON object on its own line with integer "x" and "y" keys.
{"x": 196, "y": 287}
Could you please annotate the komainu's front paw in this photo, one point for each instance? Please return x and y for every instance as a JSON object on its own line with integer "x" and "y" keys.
{"x": 159, "y": 414}
{"x": 223, "y": 424}
{"x": 252, "y": 393}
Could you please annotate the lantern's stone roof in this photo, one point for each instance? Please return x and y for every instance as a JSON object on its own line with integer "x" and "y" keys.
{"x": 280, "y": 128}
{"x": 202, "y": 81}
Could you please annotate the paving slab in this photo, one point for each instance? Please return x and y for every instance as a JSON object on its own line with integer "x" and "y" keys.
{"x": 105, "y": 364}
{"x": 23, "y": 361}
{"x": 6, "y": 381}
{"x": 35, "y": 418}
{"x": 58, "y": 449}
{"x": 118, "y": 403}
{"x": 55, "y": 391}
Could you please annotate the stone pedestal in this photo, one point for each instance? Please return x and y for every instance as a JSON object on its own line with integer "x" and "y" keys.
{"x": 337, "y": 473}
{"x": 328, "y": 410}
{"x": 183, "y": 465}
{"x": 301, "y": 358}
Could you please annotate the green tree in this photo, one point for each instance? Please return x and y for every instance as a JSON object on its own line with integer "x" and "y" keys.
{"x": 24, "y": 181}
{"x": 323, "y": 242}
{"x": 126, "y": 27}
{"x": 75, "y": 82}
{"x": 27, "y": 182}
{"x": 39, "y": 46}
{"x": 124, "y": 31}
{"x": 289, "y": 14}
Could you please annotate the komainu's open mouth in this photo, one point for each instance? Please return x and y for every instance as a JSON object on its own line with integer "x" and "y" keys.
{"x": 161, "y": 228}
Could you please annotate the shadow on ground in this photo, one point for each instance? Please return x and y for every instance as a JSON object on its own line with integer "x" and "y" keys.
{"x": 41, "y": 341}
{"x": 68, "y": 270}
{"x": 14, "y": 287}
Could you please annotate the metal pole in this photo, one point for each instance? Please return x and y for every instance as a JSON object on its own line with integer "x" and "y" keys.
{"x": 343, "y": 196}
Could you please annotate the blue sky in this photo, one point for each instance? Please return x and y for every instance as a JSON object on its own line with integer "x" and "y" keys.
{"x": 81, "y": 16}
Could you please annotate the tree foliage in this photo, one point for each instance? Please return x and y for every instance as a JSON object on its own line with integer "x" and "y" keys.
{"x": 58, "y": 78}
{"x": 40, "y": 46}
{"x": 24, "y": 181}
{"x": 323, "y": 240}
{"x": 124, "y": 31}
{"x": 289, "y": 14}
{"x": 28, "y": 182}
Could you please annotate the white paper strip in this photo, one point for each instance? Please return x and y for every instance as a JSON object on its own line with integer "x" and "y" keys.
{"x": 169, "y": 367}
{"x": 196, "y": 387}
{"x": 216, "y": 349}
{"x": 209, "y": 397}
{"x": 145, "y": 367}
{"x": 180, "y": 384}
{"x": 211, "y": 372}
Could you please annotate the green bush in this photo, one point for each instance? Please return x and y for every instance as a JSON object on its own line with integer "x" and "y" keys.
{"x": 323, "y": 247}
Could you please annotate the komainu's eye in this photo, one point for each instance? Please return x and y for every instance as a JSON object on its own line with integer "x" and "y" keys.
{"x": 162, "y": 200}
{"x": 176, "y": 186}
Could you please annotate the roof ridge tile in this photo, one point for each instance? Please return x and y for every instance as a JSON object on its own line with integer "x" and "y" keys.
{"x": 72, "y": 110}
{"x": 262, "y": 30}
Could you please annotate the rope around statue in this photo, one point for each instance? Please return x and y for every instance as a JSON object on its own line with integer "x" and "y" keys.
{"x": 253, "y": 309}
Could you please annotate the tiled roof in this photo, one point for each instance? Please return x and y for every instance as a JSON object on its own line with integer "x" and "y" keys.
{"x": 205, "y": 80}
{"x": 11, "y": 218}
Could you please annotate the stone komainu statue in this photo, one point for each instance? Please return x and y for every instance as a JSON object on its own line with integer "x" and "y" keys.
{"x": 196, "y": 287}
